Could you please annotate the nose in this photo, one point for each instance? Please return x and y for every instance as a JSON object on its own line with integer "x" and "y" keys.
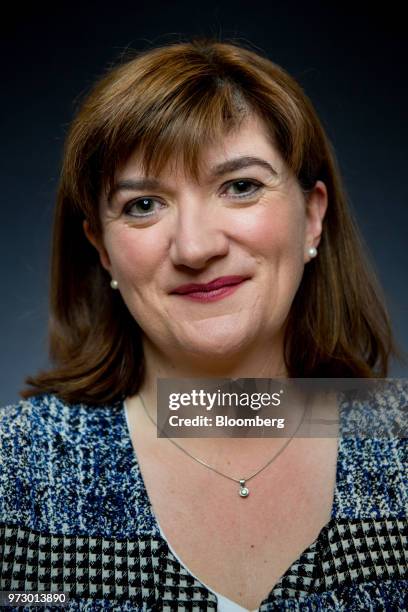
{"x": 198, "y": 236}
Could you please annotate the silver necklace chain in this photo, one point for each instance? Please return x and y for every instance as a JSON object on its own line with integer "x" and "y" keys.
{"x": 244, "y": 491}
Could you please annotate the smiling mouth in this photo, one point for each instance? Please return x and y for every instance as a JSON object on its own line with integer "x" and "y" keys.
{"x": 221, "y": 281}
{"x": 213, "y": 291}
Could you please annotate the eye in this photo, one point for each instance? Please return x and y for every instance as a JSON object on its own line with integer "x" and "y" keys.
{"x": 243, "y": 188}
{"x": 142, "y": 207}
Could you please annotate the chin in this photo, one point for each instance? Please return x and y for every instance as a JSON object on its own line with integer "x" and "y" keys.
{"x": 215, "y": 345}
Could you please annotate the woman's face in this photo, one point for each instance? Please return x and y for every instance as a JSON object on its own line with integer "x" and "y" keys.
{"x": 246, "y": 217}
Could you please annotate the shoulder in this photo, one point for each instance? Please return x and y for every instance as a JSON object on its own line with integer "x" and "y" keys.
{"x": 372, "y": 467}
{"x": 44, "y": 427}
{"x": 378, "y": 409}
{"x": 44, "y": 415}
{"x": 49, "y": 451}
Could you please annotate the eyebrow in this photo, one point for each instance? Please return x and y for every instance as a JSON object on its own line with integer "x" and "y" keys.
{"x": 238, "y": 163}
{"x": 231, "y": 165}
{"x": 133, "y": 185}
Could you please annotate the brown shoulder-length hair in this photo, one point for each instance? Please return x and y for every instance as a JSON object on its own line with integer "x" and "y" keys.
{"x": 167, "y": 103}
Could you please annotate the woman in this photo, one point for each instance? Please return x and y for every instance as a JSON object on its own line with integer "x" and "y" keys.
{"x": 194, "y": 167}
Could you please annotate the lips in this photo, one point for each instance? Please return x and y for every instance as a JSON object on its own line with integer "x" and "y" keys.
{"x": 222, "y": 281}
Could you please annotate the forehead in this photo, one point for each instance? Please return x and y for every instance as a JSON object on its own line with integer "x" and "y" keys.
{"x": 251, "y": 139}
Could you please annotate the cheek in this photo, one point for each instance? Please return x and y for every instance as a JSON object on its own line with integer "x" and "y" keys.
{"x": 276, "y": 230}
{"x": 135, "y": 254}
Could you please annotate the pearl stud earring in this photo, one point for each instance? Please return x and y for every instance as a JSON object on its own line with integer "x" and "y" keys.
{"x": 114, "y": 284}
{"x": 312, "y": 252}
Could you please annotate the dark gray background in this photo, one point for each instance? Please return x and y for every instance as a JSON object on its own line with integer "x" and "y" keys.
{"x": 351, "y": 63}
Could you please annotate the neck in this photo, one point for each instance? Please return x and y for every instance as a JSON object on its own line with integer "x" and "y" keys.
{"x": 267, "y": 363}
{"x": 255, "y": 362}
{"x": 264, "y": 362}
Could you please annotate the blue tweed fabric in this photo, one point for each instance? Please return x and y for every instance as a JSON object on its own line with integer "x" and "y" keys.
{"x": 75, "y": 517}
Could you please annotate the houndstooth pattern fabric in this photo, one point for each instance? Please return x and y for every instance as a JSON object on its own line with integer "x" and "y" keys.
{"x": 144, "y": 571}
{"x": 345, "y": 553}
{"x": 75, "y": 517}
{"x": 349, "y": 552}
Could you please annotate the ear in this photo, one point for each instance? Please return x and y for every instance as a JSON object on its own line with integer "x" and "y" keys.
{"x": 316, "y": 206}
{"x": 103, "y": 254}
